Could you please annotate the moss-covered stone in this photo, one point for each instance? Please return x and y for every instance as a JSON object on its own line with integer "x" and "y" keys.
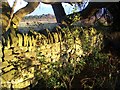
{"x": 9, "y": 75}
{"x": 30, "y": 54}
{"x": 4, "y": 64}
{"x": 9, "y": 58}
{"x": 17, "y": 49}
{"x": 23, "y": 49}
{"x": 31, "y": 48}
{"x": 15, "y": 59}
{"x": 5, "y": 85}
{"x": 20, "y": 38}
{"x": 21, "y": 85}
{"x": 8, "y": 52}
{"x": 8, "y": 68}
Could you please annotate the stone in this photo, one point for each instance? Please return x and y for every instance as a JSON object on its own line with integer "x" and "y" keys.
{"x": 21, "y": 85}
{"x": 31, "y": 70}
{"x": 22, "y": 66}
{"x": 56, "y": 37}
{"x": 8, "y": 68}
{"x": 42, "y": 47}
{"x": 3, "y": 81}
{"x": 32, "y": 48}
{"x": 8, "y": 52}
{"x": 15, "y": 59}
{"x": 8, "y": 44}
{"x": 30, "y": 41}
{"x": 27, "y": 74}
{"x": 33, "y": 41}
{"x": 30, "y": 54}
{"x": 18, "y": 79}
{"x": 9, "y": 75}
{"x": 17, "y": 50}
{"x": 5, "y": 85}
{"x": 25, "y": 40}
{"x": 14, "y": 39}
{"x": 24, "y": 49}
{"x": 8, "y": 58}
{"x": 20, "y": 39}
{"x": 4, "y": 64}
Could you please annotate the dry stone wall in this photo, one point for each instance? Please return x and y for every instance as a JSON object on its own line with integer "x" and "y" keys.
{"x": 20, "y": 64}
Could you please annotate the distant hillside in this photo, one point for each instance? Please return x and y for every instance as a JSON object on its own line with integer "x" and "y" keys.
{"x": 43, "y": 16}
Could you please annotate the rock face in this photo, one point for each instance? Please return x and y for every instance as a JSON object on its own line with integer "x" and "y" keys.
{"x": 21, "y": 63}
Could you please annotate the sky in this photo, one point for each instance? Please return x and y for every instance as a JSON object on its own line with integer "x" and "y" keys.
{"x": 42, "y": 8}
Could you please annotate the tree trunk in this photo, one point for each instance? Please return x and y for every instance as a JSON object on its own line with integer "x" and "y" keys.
{"x": 30, "y": 7}
{"x": 93, "y": 7}
{"x": 17, "y": 17}
{"x": 6, "y": 10}
{"x": 58, "y": 11}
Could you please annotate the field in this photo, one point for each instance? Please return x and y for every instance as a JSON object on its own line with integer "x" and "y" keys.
{"x": 38, "y": 24}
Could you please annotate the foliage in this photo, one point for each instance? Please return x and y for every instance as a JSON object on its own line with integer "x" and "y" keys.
{"x": 92, "y": 67}
{"x": 99, "y": 71}
{"x": 62, "y": 72}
